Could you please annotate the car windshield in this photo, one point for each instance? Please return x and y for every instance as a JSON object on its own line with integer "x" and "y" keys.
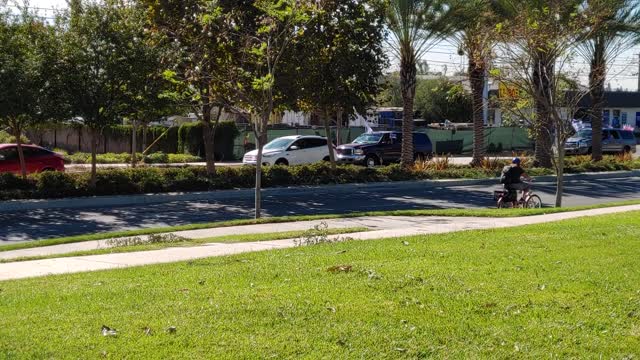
{"x": 278, "y": 144}
{"x": 368, "y": 139}
{"x": 583, "y": 134}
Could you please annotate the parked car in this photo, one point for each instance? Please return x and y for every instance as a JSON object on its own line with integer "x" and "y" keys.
{"x": 382, "y": 147}
{"x": 613, "y": 141}
{"x": 291, "y": 150}
{"x": 36, "y": 158}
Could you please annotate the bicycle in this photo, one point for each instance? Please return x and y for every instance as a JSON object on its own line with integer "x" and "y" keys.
{"x": 509, "y": 199}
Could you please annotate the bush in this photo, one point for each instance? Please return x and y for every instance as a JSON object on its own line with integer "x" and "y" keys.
{"x": 113, "y": 158}
{"x": 10, "y": 181}
{"x": 53, "y": 184}
{"x": 190, "y": 139}
{"x": 152, "y": 180}
{"x": 185, "y": 179}
{"x": 183, "y": 158}
{"x": 157, "y": 158}
{"x": 6, "y": 138}
{"x": 147, "y": 180}
{"x": 78, "y": 158}
{"x": 116, "y": 182}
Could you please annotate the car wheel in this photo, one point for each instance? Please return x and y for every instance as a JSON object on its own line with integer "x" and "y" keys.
{"x": 627, "y": 149}
{"x": 590, "y": 151}
{"x": 282, "y": 162}
{"x": 47, "y": 169}
{"x": 326, "y": 158}
{"x": 371, "y": 161}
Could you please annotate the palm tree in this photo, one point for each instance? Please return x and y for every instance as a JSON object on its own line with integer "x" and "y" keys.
{"x": 415, "y": 27}
{"x": 544, "y": 53}
{"x": 617, "y": 29}
{"x": 475, "y": 23}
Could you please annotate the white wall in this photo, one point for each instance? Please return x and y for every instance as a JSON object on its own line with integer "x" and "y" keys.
{"x": 631, "y": 115}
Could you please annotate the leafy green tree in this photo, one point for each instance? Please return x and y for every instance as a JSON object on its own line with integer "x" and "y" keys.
{"x": 414, "y": 26}
{"x": 617, "y": 30}
{"x": 262, "y": 32}
{"x": 30, "y": 73}
{"x": 440, "y": 99}
{"x": 342, "y": 57}
{"x": 145, "y": 97}
{"x": 436, "y": 100}
{"x": 99, "y": 48}
{"x": 196, "y": 37}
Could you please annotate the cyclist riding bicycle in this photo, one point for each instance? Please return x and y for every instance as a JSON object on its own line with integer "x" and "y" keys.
{"x": 512, "y": 176}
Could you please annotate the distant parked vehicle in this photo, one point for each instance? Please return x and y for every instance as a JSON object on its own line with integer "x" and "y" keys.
{"x": 36, "y": 158}
{"x": 383, "y": 147}
{"x": 613, "y": 141}
{"x": 291, "y": 150}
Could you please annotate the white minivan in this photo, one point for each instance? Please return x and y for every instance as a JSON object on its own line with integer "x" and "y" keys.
{"x": 291, "y": 150}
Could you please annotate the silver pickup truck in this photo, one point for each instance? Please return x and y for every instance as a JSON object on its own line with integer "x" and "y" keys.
{"x": 613, "y": 141}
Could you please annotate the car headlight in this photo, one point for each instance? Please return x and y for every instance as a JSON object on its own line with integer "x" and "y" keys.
{"x": 358, "y": 152}
{"x": 269, "y": 155}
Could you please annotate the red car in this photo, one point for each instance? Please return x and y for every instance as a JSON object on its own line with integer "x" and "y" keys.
{"x": 38, "y": 159}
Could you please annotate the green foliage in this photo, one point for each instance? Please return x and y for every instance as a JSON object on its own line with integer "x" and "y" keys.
{"x": 436, "y": 100}
{"x": 325, "y": 53}
{"x": 145, "y": 180}
{"x": 59, "y": 183}
{"x": 157, "y": 158}
{"x": 182, "y": 158}
{"x": 190, "y": 139}
{"x": 6, "y": 138}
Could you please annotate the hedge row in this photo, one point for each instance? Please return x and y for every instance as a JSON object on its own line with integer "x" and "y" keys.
{"x": 156, "y": 180}
{"x": 125, "y": 158}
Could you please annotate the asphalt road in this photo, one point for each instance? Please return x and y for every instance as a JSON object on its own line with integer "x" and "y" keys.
{"x": 42, "y": 224}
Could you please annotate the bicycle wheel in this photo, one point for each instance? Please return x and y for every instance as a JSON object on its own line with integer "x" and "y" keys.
{"x": 533, "y": 202}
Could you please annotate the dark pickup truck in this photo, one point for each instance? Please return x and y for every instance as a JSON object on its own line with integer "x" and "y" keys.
{"x": 382, "y": 147}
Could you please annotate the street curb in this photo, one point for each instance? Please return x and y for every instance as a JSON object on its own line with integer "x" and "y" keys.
{"x": 126, "y": 200}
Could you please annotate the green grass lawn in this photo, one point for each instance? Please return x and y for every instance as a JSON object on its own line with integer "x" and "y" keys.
{"x": 194, "y": 242}
{"x": 568, "y": 289}
{"x": 282, "y": 219}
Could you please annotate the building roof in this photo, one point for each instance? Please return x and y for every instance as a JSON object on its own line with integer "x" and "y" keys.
{"x": 613, "y": 99}
{"x": 616, "y": 99}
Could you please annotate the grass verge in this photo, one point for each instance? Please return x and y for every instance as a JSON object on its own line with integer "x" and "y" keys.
{"x": 567, "y": 289}
{"x": 283, "y": 219}
{"x": 228, "y": 239}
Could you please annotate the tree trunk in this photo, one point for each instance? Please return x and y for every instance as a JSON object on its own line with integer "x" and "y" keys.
{"x": 560, "y": 174}
{"x": 17, "y": 133}
{"x": 338, "y": 127}
{"x": 542, "y": 76}
{"x": 408, "y": 87}
{"x": 476, "y": 77}
{"x": 145, "y": 127}
{"x": 94, "y": 151}
{"x": 597, "y": 77}
{"x": 260, "y": 134}
{"x": 134, "y": 143}
{"x": 327, "y": 130}
{"x": 208, "y": 138}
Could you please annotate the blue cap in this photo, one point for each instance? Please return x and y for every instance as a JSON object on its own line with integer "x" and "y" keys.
{"x": 515, "y": 161}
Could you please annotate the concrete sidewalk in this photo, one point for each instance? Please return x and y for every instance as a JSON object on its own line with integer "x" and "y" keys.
{"x": 382, "y": 227}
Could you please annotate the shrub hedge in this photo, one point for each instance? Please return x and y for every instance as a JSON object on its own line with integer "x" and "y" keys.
{"x": 125, "y": 158}
{"x": 155, "y": 180}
